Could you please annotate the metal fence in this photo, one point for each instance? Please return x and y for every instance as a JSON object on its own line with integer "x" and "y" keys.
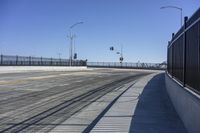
{"x": 184, "y": 53}
{"x": 154, "y": 66}
{"x": 7, "y": 60}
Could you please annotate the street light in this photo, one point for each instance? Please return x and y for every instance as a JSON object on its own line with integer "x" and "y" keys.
{"x": 71, "y": 37}
{"x": 175, "y": 7}
{"x": 75, "y": 24}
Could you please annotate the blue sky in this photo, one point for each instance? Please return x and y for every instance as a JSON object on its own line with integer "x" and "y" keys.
{"x": 40, "y": 27}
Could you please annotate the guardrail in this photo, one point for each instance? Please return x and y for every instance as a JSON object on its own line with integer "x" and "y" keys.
{"x": 7, "y": 60}
{"x": 184, "y": 53}
{"x": 154, "y": 66}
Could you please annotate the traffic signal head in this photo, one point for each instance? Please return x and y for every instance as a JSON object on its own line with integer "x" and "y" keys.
{"x": 121, "y": 58}
{"x": 112, "y": 48}
{"x": 75, "y": 55}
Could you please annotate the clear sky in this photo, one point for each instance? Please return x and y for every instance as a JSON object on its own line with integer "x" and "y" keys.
{"x": 40, "y": 27}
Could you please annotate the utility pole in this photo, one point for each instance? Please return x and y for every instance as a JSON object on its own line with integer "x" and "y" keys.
{"x": 71, "y": 37}
{"x": 121, "y": 54}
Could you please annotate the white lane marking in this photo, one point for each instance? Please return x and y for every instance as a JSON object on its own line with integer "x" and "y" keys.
{"x": 42, "y": 77}
{"x": 62, "y": 84}
{"x": 78, "y": 81}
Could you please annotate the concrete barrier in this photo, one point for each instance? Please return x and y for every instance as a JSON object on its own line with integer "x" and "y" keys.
{"x": 186, "y": 103}
{"x": 11, "y": 69}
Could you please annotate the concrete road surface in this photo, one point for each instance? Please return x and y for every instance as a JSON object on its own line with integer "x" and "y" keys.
{"x": 33, "y": 101}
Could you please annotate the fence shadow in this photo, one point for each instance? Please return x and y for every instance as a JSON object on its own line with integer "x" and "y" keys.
{"x": 154, "y": 112}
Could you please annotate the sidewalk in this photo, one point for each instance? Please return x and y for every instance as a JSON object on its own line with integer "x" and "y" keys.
{"x": 144, "y": 108}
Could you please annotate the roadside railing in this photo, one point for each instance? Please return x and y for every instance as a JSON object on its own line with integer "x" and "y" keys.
{"x": 184, "y": 54}
{"x": 154, "y": 66}
{"x": 7, "y": 60}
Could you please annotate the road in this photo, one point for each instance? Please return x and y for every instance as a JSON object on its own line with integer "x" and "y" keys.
{"x": 32, "y": 101}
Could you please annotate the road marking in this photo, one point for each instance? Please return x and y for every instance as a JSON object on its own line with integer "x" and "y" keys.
{"x": 62, "y": 85}
{"x": 42, "y": 77}
{"x": 78, "y": 81}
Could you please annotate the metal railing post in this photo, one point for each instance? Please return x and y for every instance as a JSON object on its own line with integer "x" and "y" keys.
{"x": 168, "y": 64}
{"x": 1, "y": 59}
{"x": 41, "y": 62}
{"x": 172, "y": 56}
{"x": 184, "y": 51}
{"x": 16, "y": 60}
{"x": 29, "y": 60}
{"x": 51, "y": 62}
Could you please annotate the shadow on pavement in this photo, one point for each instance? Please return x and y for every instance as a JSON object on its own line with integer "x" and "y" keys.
{"x": 154, "y": 112}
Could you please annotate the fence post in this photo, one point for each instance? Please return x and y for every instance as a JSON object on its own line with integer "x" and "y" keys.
{"x": 41, "y": 62}
{"x": 51, "y": 61}
{"x": 184, "y": 51}
{"x": 29, "y": 60}
{"x": 168, "y": 69}
{"x": 16, "y": 59}
{"x": 172, "y": 57}
{"x": 1, "y": 59}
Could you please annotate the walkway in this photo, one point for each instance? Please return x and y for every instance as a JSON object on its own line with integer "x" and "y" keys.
{"x": 144, "y": 108}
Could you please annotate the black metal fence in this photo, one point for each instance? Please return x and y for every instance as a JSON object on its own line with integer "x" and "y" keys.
{"x": 153, "y": 66}
{"x": 184, "y": 53}
{"x": 7, "y": 60}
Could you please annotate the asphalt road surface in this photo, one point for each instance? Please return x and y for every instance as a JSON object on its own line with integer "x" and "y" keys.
{"x": 32, "y": 101}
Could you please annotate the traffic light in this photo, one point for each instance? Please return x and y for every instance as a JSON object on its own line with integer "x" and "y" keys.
{"x": 75, "y": 55}
{"x": 111, "y": 48}
{"x": 121, "y": 59}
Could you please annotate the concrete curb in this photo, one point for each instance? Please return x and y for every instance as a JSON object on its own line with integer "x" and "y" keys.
{"x": 17, "y": 69}
{"x": 186, "y": 104}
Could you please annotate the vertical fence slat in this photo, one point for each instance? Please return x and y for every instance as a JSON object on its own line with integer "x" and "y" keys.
{"x": 184, "y": 51}
{"x": 1, "y": 59}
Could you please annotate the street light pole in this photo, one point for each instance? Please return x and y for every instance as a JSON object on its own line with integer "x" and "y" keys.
{"x": 175, "y": 7}
{"x": 121, "y": 50}
{"x": 70, "y": 47}
{"x": 121, "y": 54}
{"x": 71, "y": 37}
{"x": 59, "y": 55}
